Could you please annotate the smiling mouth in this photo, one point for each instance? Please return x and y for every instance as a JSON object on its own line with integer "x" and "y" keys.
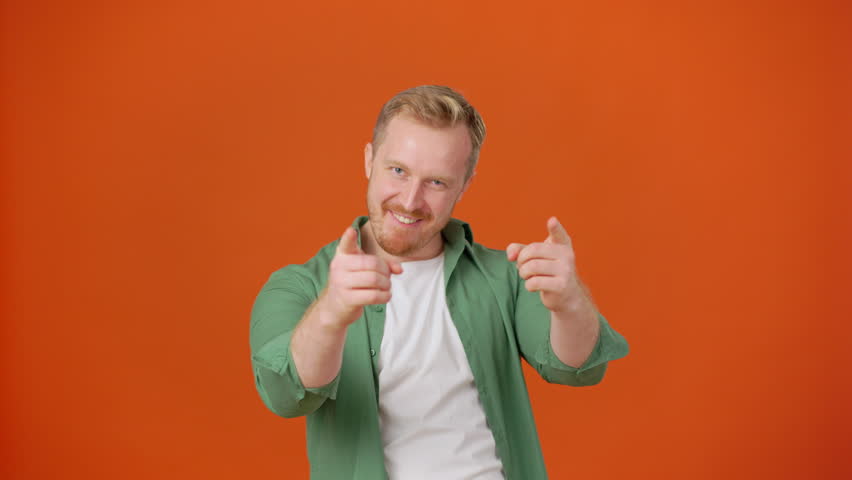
{"x": 405, "y": 220}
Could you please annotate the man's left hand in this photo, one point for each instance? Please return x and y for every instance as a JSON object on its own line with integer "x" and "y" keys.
{"x": 548, "y": 268}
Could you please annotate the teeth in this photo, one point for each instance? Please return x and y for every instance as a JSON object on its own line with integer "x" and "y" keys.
{"x": 407, "y": 221}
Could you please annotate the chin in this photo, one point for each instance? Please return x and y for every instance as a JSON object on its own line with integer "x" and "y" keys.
{"x": 397, "y": 246}
{"x": 401, "y": 243}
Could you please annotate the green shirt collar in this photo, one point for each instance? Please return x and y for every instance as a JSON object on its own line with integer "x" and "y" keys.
{"x": 457, "y": 234}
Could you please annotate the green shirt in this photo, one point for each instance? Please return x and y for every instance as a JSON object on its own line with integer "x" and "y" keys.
{"x": 498, "y": 320}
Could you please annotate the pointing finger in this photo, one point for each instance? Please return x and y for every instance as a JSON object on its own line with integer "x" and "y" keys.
{"x": 557, "y": 232}
{"x": 348, "y": 242}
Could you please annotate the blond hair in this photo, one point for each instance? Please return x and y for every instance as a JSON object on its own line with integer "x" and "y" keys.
{"x": 438, "y": 106}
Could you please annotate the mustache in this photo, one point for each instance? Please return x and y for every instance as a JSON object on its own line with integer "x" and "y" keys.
{"x": 416, "y": 214}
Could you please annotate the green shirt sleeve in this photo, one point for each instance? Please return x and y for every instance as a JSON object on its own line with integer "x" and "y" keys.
{"x": 532, "y": 327}
{"x": 277, "y": 310}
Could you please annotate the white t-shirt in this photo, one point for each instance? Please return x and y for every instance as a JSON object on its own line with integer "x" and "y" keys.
{"x": 433, "y": 425}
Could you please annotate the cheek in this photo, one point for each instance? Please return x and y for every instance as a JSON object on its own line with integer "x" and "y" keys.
{"x": 440, "y": 205}
{"x": 381, "y": 192}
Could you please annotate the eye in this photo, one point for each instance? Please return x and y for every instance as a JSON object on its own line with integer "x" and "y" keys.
{"x": 397, "y": 170}
{"x": 437, "y": 183}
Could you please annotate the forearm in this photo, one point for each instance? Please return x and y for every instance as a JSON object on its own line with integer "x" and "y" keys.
{"x": 317, "y": 344}
{"x": 574, "y": 331}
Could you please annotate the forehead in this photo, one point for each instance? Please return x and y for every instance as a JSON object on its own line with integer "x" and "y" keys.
{"x": 422, "y": 146}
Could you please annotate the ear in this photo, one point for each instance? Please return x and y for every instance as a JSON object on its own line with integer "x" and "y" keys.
{"x": 466, "y": 185}
{"x": 368, "y": 159}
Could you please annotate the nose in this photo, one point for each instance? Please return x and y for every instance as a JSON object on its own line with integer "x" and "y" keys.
{"x": 412, "y": 196}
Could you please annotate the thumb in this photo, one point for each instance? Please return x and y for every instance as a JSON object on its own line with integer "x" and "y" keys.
{"x": 349, "y": 242}
{"x": 513, "y": 250}
{"x": 557, "y": 232}
{"x": 395, "y": 267}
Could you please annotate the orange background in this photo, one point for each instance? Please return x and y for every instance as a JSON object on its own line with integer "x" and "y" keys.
{"x": 161, "y": 159}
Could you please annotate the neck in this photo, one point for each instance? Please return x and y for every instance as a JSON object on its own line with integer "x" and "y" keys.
{"x": 370, "y": 246}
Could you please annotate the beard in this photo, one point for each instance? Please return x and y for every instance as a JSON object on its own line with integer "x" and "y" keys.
{"x": 396, "y": 239}
{"x": 399, "y": 240}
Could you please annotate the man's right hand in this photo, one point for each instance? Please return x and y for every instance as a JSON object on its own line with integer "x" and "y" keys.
{"x": 355, "y": 279}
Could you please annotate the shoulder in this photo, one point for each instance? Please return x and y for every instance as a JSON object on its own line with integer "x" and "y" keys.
{"x": 494, "y": 264}
{"x": 492, "y": 256}
{"x": 491, "y": 261}
{"x": 309, "y": 277}
{"x": 315, "y": 270}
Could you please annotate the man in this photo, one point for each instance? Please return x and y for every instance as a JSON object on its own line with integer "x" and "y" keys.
{"x": 402, "y": 340}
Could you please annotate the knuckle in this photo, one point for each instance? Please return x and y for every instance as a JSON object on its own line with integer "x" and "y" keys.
{"x": 378, "y": 297}
{"x": 375, "y": 264}
{"x": 361, "y": 263}
{"x": 530, "y": 267}
{"x": 345, "y": 299}
{"x": 334, "y": 278}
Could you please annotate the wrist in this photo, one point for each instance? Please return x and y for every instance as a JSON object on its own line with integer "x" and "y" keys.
{"x": 574, "y": 308}
{"x": 333, "y": 317}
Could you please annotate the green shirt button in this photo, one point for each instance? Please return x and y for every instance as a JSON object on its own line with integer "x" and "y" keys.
{"x": 372, "y": 353}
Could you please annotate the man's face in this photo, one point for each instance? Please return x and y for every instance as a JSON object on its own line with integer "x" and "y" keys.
{"x": 416, "y": 177}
